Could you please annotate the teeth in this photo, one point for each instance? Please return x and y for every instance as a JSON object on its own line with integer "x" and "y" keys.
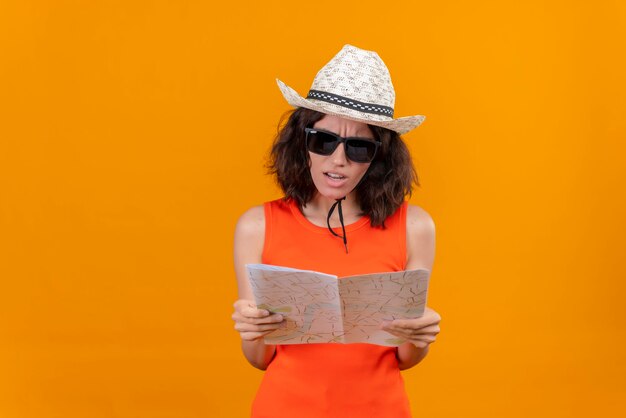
{"x": 334, "y": 176}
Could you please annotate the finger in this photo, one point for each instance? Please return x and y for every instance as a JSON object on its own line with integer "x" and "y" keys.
{"x": 415, "y": 323}
{"x": 430, "y": 313}
{"x": 431, "y": 329}
{"x": 422, "y": 342}
{"x": 397, "y": 332}
{"x": 430, "y": 337}
{"x": 419, "y": 341}
{"x": 239, "y": 303}
{"x": 427, "y": 333}
{"x": 242, "y": 304}
{"x": 248, "y": 308}
{"x": 274, "y": 318}
{"x": 253, "y": 312}
{"x": 396, "y": 325}
{"x": 426, "y": 338}
{"x": 244, "y": 327}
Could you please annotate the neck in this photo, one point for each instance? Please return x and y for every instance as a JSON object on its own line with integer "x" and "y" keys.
{"x": 320, "y": 205}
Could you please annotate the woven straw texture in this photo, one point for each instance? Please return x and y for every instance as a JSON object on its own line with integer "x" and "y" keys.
{"x": 363, "y": 81}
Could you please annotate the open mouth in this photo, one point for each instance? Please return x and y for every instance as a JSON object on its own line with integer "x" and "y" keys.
{"x": 334, "y": 176}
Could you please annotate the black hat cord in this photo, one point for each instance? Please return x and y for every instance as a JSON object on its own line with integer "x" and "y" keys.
{"x": 343, "y": 228}
{"x": 338, "y": 203}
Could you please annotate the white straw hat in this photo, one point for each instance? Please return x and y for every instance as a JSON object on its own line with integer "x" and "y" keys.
{"x": 355, "y": 84}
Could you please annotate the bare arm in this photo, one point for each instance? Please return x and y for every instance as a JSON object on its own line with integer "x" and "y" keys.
{"x": 420, "y": 332}
{"x": 252, "y": 323}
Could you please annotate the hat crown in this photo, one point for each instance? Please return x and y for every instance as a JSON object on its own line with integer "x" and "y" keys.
{"x": 355, "y": 84}
{"x": 357, "y": 74}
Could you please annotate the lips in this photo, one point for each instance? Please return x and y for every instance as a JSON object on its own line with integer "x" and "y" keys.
{"x": 335, "y": 180}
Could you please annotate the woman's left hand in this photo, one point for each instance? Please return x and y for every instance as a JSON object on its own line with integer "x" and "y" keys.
{"x": 420, "y": 331}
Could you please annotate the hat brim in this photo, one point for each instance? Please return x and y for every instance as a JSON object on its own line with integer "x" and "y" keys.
{"x": 399, "y": 125}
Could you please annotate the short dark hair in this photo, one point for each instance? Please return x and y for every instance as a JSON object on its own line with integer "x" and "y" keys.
{"x": 382, "y": 191}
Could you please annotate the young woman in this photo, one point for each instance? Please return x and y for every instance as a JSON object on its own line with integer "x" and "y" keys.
{"x": 345, "y": 173}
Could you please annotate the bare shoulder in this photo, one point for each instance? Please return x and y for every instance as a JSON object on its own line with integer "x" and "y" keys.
{"x": 250, "y": 235}
{"x": 420, "y": 238}
{"x": 251, "y": 222}
{"x": 419, "y": 221}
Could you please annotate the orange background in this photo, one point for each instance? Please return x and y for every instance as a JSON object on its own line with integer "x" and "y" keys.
{"x": 133, "y": 134}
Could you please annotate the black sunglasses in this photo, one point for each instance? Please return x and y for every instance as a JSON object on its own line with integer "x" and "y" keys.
{"x": 359, "y": 150}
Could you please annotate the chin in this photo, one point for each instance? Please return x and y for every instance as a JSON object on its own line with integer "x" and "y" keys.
{"x": 335, "y": 193}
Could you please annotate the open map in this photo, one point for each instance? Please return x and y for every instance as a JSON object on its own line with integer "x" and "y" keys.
{"x": 322, "y": 308}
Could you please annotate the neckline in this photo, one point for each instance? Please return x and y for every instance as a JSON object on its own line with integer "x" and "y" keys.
{"x": 295, "y": 210}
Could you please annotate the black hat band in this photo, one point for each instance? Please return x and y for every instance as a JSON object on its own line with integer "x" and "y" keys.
{"x": 350, "y": 103}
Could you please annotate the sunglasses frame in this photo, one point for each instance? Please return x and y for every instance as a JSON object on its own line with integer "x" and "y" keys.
{"x": 344, "y": 140}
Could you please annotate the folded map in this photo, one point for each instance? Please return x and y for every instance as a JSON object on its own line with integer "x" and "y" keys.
{"x": 323, "y": 308}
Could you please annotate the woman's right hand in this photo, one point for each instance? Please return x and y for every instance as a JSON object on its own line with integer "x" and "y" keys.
{"x": 253, "y": 323}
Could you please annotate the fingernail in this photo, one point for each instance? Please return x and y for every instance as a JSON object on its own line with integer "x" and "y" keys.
{"x": 279, "y": 318}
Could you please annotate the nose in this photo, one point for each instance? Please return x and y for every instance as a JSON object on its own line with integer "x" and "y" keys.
{"x": 339, "y": 156}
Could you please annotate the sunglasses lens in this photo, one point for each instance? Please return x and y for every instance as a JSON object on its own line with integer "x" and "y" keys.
{"x": 322, "y": 143}
{"x": 360, "y": 151}
{"x": 357, "y": 150}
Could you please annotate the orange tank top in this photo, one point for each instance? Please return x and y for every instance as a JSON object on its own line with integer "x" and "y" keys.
{"x": 332, "y": 380}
